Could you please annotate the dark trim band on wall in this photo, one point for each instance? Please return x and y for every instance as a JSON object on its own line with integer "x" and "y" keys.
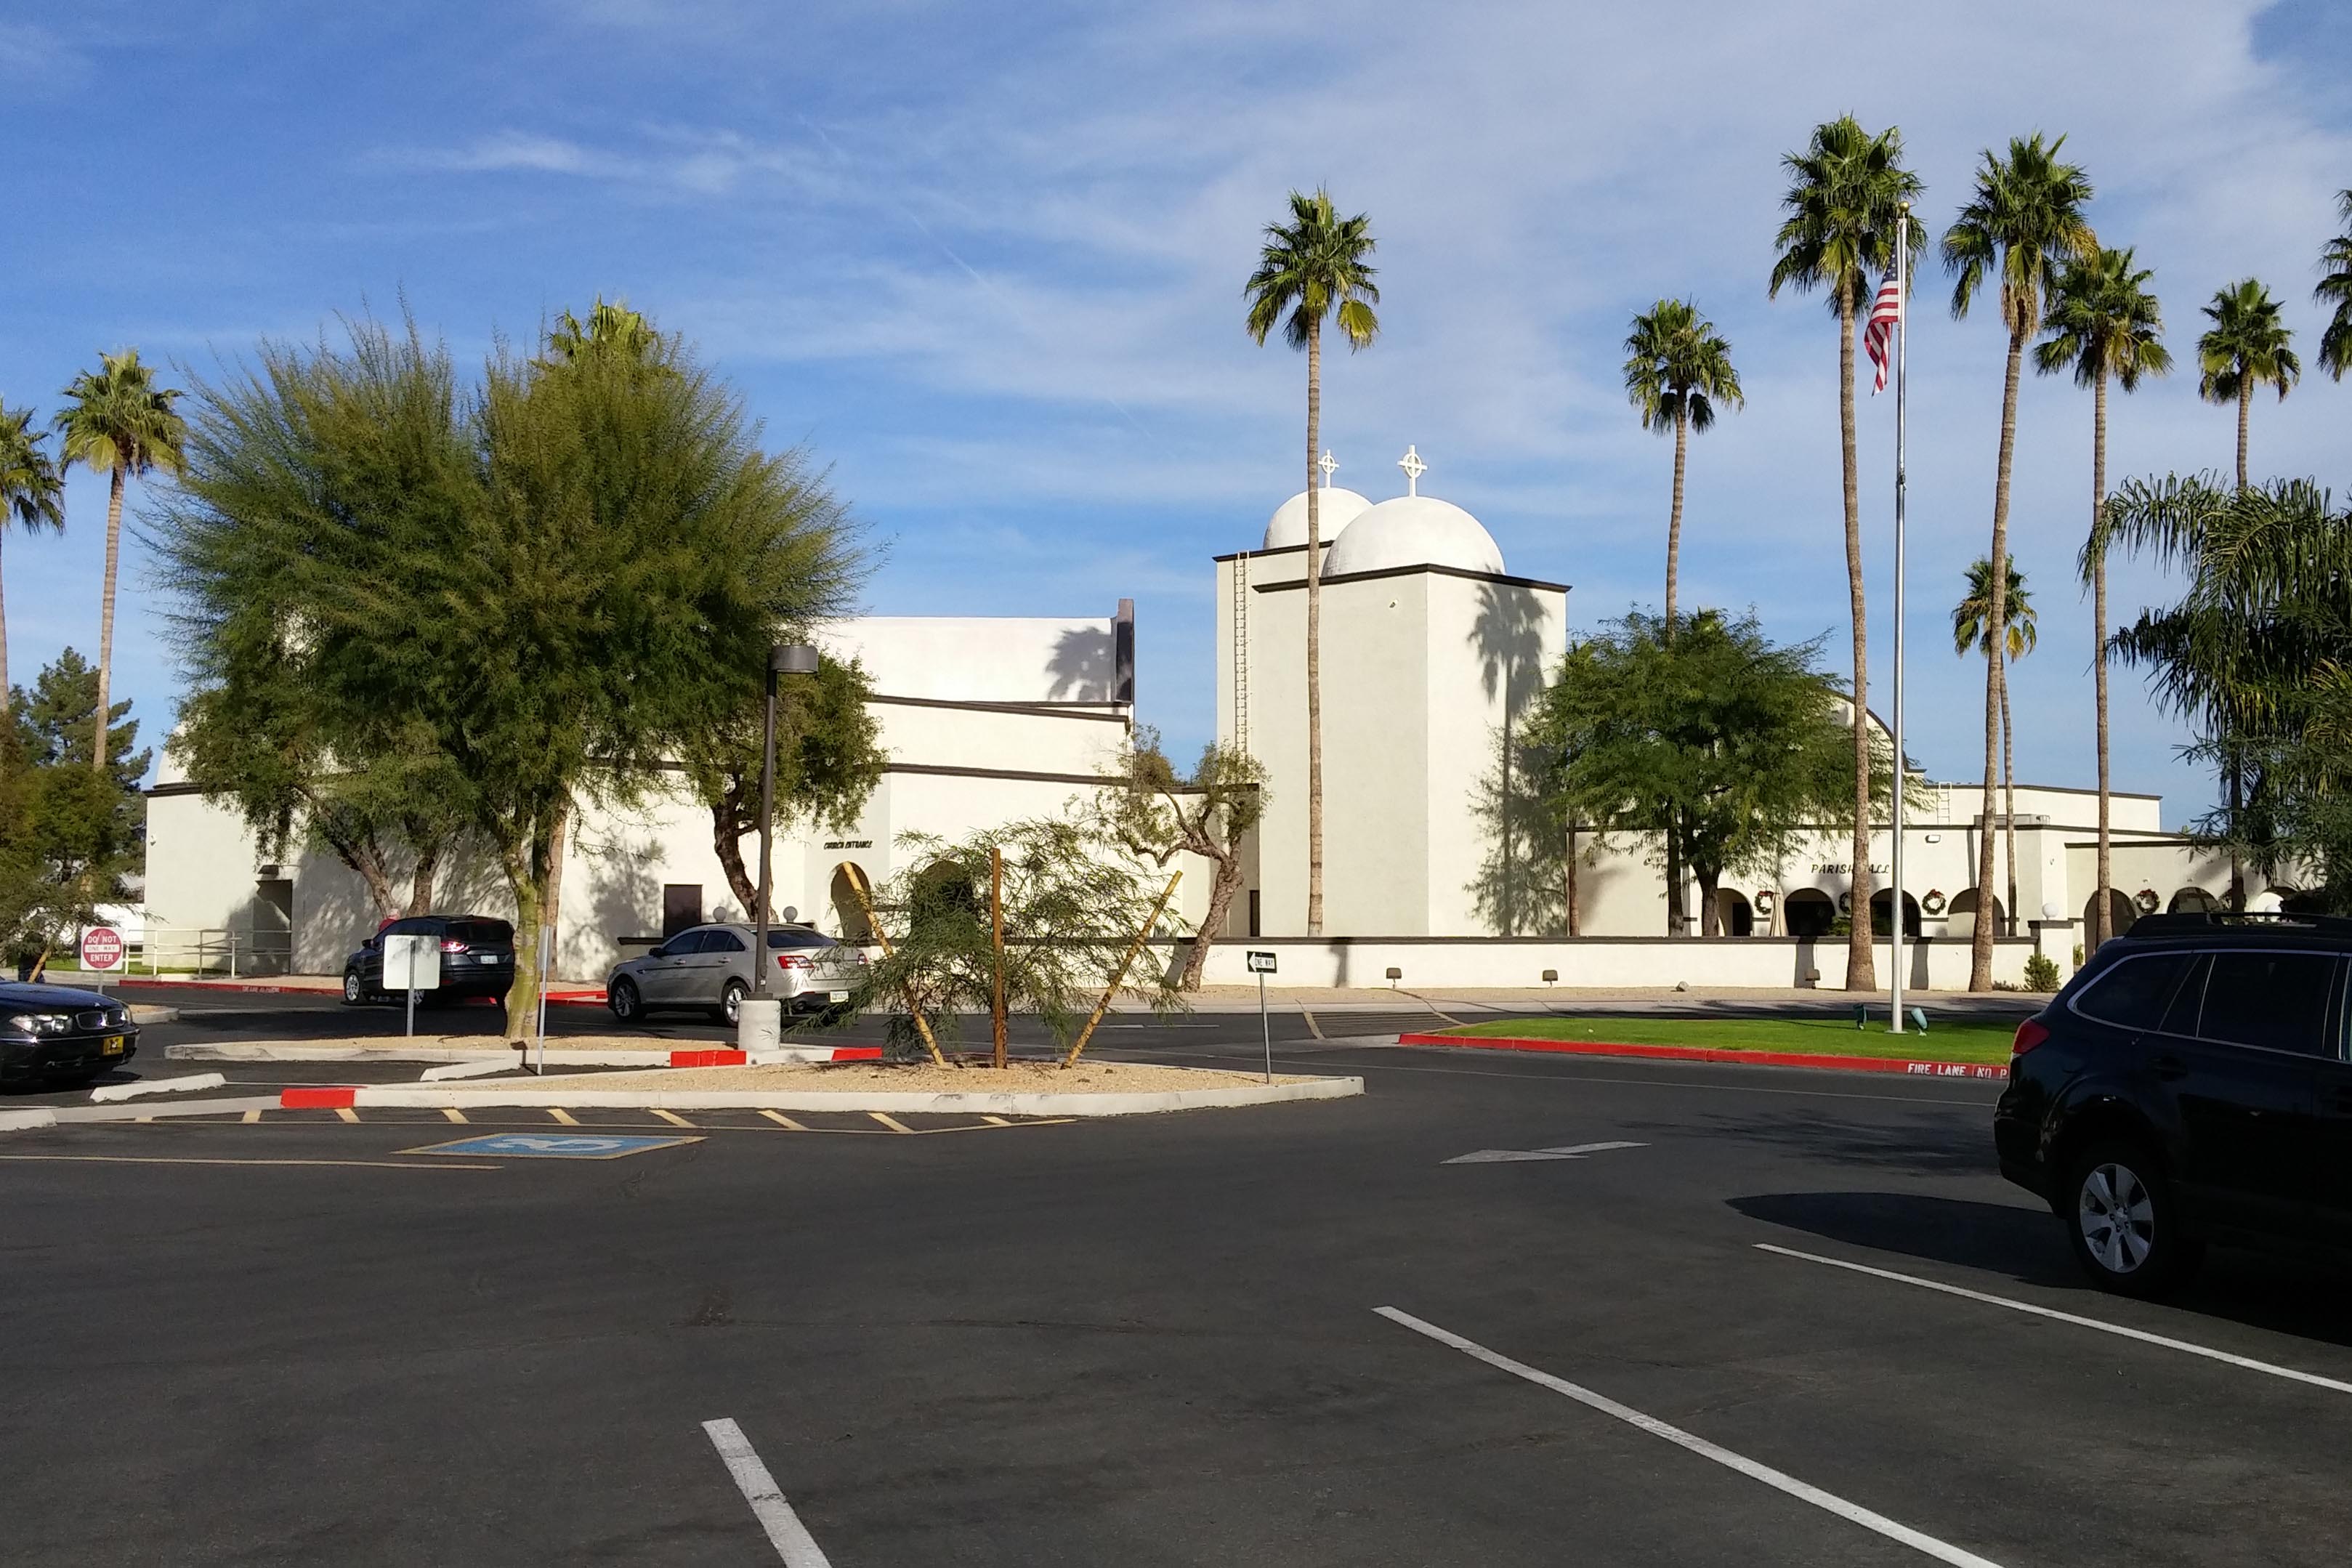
{"x": 1427, "y": 566}
{"x": 1276, "y": 550}
{"x": 936, "y": 770}
{"x": 1106, "y": 712}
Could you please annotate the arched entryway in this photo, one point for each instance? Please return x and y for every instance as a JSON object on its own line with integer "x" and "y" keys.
{"x": 1809, "y": 912}
{"x": 1964, "y": 907}
{"x": 2122, "y": 913}
{"x": 2192, "y": 901}
{"x": 1881, "y": 914}
{"x": 1733, "y": 914}
{"x": 848, "y": 909}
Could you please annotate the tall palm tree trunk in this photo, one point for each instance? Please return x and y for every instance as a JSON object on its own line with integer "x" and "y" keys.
{"x": 3, "y": 654}
{"x": 1314, "y": 634}
{"x": 2009, "y": 797}
{"x": 2245, "y": 406}
{"x": 1860, "y": 962}
{"x": 106, "y": 614}
{"x": 2103, "y": 917}
{"x": 1996, "y": 630}
{"x": 1674, "y": 517}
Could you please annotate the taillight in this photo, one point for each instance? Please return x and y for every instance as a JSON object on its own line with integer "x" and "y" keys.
{"x": 790, "y": 961}
{"x": 453, "y": 945}
{"x": 2029, "y": 1033}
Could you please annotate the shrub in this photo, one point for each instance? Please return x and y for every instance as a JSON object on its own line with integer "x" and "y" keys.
{"x": 2041, "y": 972}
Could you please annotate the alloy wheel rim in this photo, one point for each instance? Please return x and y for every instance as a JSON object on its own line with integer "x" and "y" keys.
{"x": 2116, "y": 1216}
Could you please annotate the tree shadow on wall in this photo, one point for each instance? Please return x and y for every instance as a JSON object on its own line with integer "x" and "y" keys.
{"x": 1519, "y": 888}
{"x": 1080, "y": 669}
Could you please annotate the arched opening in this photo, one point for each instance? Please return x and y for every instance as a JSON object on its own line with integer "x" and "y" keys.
{"x": 1881, "y": 914}
{"x": 1809, "y": 912}
{"x": 2192, "y": 901}
{"x": 1962, "y": 914}
{"x": 848, "y": 909}
{"x": 1733, "y": 915}
{"x": 2122, "y": 913}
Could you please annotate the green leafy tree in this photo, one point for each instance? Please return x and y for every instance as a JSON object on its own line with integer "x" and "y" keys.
{"x": 2103, "y": 325}
{"x": 1969, "y": 632}
{"x": 32, "y": 497}
{"x": 1720, "y": 741}
{"x": 2247, "y": 346}
{"x": 118, "y": 422}
{"x": 829, "y": 754}
{"x": 1209, "y": 812}
{"x": 69, "y": 832}
{"x": 2334, "y": 288}
{"x": 1316, "y": 265}
{"x": 2019, "y": 230}
{"x": 550, "y": 583}
{"x": 612, "y": 331}
{"x": 1678, "y": 368}
{"x": 1848, "y": 193}
{"x": 1070, "y": 913}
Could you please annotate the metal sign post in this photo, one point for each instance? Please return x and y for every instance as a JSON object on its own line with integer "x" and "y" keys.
{"x": 546, "y": 968}
{"x": 412, "y": 962}
{"x": 101, "y": 950}
{"x": 1262, "y": 964}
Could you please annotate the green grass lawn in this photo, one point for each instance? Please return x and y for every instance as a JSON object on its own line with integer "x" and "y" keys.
{"x": 1958, "y": 1040}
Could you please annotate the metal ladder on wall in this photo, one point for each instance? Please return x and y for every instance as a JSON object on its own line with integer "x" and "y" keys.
{"x": 1241, "y": 651}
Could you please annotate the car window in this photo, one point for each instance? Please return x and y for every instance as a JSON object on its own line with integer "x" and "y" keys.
{"x": 2273, "y": 999}
{"x": 2134, "y": 994}
{"x": 2181, "y": 1017}
{"x": 678, "y": 946}
{"x": 481, "y": 933}
{"x": 797, "y": 936}
{"x": 722, "y": 942}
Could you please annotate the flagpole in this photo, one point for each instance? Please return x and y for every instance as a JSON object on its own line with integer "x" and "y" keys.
{"x": 1902, "y": 386}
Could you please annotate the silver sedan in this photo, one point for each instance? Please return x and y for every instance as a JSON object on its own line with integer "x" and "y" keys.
{"x": 708, "y": 968}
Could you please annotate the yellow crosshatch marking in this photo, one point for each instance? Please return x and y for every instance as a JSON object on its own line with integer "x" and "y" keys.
{"x": 619, "y": 1119}
{"x": 560, "y": 1114}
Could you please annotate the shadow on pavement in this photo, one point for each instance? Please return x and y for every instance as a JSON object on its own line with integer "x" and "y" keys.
{"x": 2023, "y": 1243}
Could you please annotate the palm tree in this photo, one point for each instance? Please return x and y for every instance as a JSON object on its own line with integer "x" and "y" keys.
{"x": 2103, "y": 323}
{"x": 2024, "y": 224}
{"x": 32, "y": 496}
{"x": 116, "y": 419}
{"x": 1970, "y": 630}
{"x": 1677, "y": 366}
{"x": 1312, "y": 267}
{"x": 2335, "y": 284}
{"x": 2246, "y": 347}
{"x": 1847, "y": 191}
{"x": 613, "y": 329}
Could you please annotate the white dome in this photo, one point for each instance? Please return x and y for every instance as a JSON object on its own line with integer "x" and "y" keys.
{"x": 1286, "y": 529}
{"x": 1413, "y": 530}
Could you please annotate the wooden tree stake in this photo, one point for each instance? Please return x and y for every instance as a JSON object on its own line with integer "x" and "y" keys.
{"x": 996, "y": 940}
{"x": 922, "y": 1025}
{"x": 1124, "y": 965}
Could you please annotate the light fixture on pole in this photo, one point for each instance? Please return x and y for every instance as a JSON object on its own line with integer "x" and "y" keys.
{"x": 760, "y": 1023}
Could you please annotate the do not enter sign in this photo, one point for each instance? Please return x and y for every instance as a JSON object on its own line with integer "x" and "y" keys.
{"x": 101, "y": 948}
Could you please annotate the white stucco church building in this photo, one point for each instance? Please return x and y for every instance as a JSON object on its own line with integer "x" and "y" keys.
{"x": 1432, "y": 650}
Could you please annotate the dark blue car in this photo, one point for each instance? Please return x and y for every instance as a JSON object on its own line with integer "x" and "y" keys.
{"x": 61, "y": 1034}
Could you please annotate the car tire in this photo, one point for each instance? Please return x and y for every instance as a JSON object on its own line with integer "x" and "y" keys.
{"x": 2124, "y": 1223}
{"x": 730, "y": 1001}
{"x": 628, "y": 1006}
{"x": 354, "y": 990}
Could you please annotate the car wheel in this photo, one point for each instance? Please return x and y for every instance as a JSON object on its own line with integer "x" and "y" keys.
{"x": 623, "y": 998}
{"x": 353, "y": 992}
{"x": 2122, "y": 1224}
{"x": 730, "y": 1001}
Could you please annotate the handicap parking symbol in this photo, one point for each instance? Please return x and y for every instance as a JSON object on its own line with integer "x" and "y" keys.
{"x": 553, "y": 1145}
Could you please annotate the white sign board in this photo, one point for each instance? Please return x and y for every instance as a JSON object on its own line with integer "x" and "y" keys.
{"x": 412, "y": 962}
{"x": 101, "y": 948}
{"x": 1260, "y": 963}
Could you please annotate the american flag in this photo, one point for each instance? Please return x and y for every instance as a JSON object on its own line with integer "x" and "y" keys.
{"x": 1878, "y": 333}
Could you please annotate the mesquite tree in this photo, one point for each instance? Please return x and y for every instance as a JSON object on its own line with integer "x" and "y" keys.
{"x": 1161, "y": 814}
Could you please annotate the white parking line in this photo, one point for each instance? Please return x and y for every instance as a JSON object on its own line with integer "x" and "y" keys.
{"x": 1942, "y": 1551}
{"x": 791, "y": 1539}
{"x": 2142, "y": 1335}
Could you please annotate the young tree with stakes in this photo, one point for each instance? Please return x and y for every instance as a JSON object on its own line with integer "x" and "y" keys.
{"x": 1316, "y": 265}
{"x": 1162, "y": 814}
{"x": 2023, "y": 225}
{"x": 1844, "y": 202}
{"x": 2103, "y": 325}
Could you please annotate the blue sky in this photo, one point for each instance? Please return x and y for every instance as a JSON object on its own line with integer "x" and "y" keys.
{"x": 986, "y": 261}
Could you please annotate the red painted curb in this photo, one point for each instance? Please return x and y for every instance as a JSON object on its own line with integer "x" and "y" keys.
{"x": 857, "y": 1052}
{"x": 707, "y": 1059}
{"x": 1712, "y": 1054}
{"x": 316, "y": 1099}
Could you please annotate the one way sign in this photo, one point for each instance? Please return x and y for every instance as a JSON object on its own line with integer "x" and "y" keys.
{"x": 1509, "y": 1156}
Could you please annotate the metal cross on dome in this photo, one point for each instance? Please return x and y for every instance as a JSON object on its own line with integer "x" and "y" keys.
{"x": 1413, "y": 469}
{"x": 1329, "y": 464}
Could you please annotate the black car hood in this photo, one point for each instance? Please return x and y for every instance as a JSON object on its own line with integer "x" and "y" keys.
{"x": 14, "y": 993}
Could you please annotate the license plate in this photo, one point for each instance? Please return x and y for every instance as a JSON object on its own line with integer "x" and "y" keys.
{"x": 486, "y": 958}
{"x": 113, "y": 1047}
{"x": 836, "y": 995}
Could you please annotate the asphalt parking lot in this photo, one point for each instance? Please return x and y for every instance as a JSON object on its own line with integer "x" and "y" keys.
{"x": 1383, "y": 1331}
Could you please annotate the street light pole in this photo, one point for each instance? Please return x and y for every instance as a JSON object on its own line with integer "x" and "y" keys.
{"x": 783, "y": 658}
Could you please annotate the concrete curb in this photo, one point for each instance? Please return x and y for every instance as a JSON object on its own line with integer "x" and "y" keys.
{"x": 156, "y": 1109}
{"x": 114, "y": 1091}
{"x": 1002, "y": 1103}
{"x": 144, "y": 1013}
{"x": 1710, "y": 1054}
{"x": 557, "y": 1056}
{"x": 26, "y": 1121}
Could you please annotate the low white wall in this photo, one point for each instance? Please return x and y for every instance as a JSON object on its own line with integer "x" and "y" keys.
{"x": 1438, "y": 962}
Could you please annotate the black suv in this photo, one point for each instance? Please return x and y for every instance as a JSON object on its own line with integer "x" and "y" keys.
{"x": 2190, "y": 1084}
{"x": 477, "y": 958}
